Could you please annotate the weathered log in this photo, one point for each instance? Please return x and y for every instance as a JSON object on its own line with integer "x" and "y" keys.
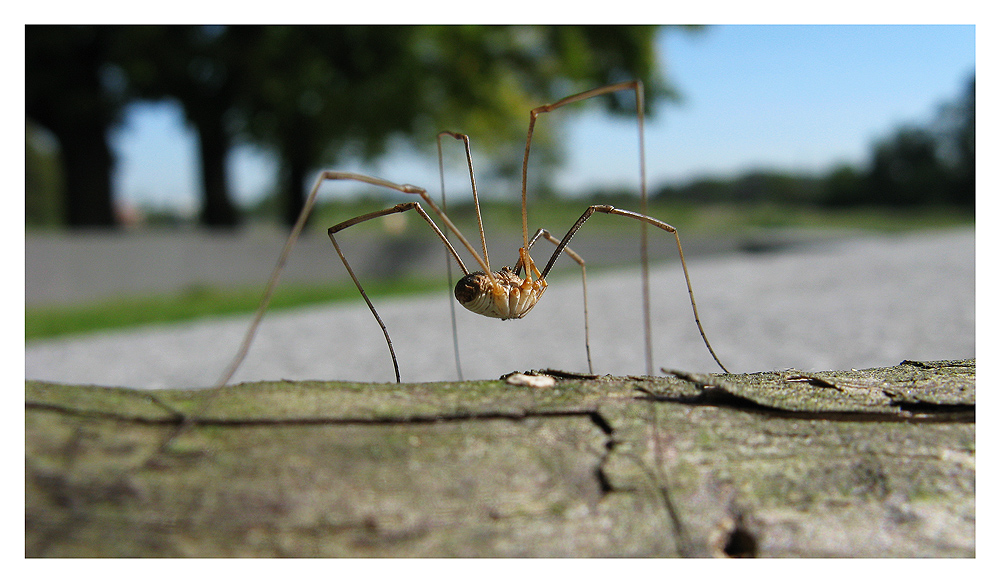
{"x": 871, "y": 463}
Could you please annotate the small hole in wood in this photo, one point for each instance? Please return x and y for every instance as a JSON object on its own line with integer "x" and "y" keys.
{"x": 740, "y": 544}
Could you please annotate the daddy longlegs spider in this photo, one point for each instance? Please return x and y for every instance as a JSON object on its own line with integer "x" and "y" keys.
{"x": 503, "y": 293}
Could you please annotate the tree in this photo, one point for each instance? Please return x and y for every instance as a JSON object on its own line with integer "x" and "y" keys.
{"x": 43, "y": 185}
{"x": 846, "y": 185}
{"x": 205, "y": 69}
{"x": 317, "y": 90}
{"x": 325, "y": 92}
{"x": 67, "y": 91}
{"x": 956, "y": 131}
{"x": 931, "y": 163}
{"x": 905, "y": 168}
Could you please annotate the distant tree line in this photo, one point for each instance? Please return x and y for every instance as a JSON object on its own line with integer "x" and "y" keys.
{"x": 310, "y": 95}
{"x": 930, "y": 164}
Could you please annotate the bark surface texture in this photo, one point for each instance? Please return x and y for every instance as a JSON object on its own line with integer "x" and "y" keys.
{"x": 862, "y": 463}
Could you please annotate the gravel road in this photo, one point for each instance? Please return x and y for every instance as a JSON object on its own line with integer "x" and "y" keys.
{"x": 830, "y": 304}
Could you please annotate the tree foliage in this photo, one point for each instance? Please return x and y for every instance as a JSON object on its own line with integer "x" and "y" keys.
{"x": 349, "y": 91}
{"x": 929, "y": 164}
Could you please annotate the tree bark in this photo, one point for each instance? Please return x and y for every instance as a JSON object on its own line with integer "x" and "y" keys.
{"x": 869, "y": 463}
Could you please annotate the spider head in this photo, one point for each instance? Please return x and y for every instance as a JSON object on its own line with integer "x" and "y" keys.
{"x": 472, "y": 288}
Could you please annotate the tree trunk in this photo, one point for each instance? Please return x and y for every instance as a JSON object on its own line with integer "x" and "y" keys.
{"x": 64, "y": 93}
{"x": 87, "y": 162}
{"x": 298, "y": 154}
{"x": 296, "y": 168}
{"x": 217, "y": 207}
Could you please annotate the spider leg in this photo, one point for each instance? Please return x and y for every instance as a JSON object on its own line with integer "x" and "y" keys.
{"x": 583, "y": 273}
{"x": 475, "y": 193}
{"x": 399, "y": 208}
{"x": 637, "y": 87}
{"x": 608, "y": 209}
{"x": 479, "y": 219}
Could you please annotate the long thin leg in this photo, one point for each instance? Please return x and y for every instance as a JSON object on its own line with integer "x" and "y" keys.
{"x": 479, "y": 220}
{"x": 608, "y": 209}
{"x": 402, "y": 207}
{"x": 583, "y": 273}
{"x": 447, "y": 266}
{"x": 637, "y": 87}
{"x": 475, "y": 192}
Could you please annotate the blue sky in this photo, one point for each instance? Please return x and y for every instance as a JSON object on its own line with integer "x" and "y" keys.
{"x": 800, "y": 98}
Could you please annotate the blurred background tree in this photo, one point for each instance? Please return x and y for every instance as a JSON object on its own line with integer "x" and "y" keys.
{"x": 956, "y": 136}
{"x": 42, "y": 178}
{"x": 311, "y": 95}
{"x": 71, "y": 92}
{"x": 918, "y": 164}
{"x": 316, "y": 96}
{"x": 205, "y": 69}
{"x": 320, "y": 95}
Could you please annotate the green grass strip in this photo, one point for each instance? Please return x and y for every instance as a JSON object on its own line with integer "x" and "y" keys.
{"x": 201, "y": 302}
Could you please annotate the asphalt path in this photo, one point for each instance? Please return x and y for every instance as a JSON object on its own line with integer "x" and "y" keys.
{"x": 855, "y": 302}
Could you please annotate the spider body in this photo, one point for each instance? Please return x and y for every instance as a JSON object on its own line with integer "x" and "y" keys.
{"x": 505, "y": 295}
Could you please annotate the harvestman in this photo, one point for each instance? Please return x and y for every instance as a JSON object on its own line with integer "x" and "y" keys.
{"x": 503, "y": 294}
